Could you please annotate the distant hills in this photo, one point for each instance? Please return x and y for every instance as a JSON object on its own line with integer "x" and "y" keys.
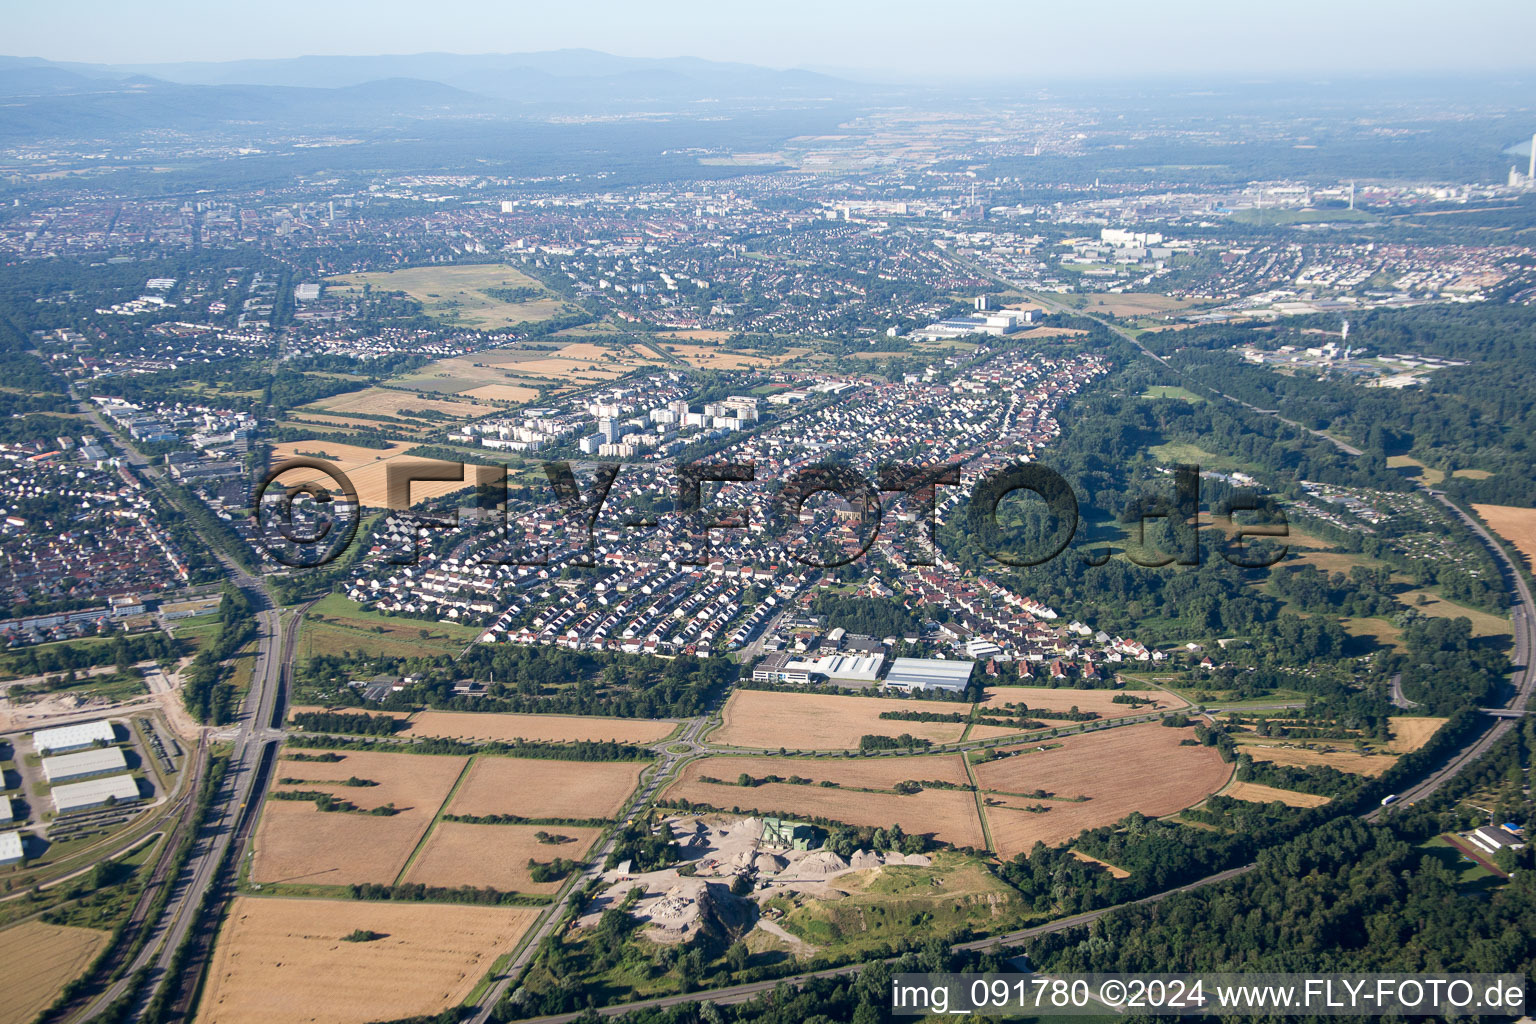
{"x": 41, "y": 99}
{"x": 45, "y": 98}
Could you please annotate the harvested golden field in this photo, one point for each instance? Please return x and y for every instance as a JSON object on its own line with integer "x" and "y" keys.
{"x": 1258, "y": 794}
{"x": 497, "y": 856}
{"x": 281, "y": 960}
{"x": 299, "y": 709}
{"x": 1101, "y": 702}
{"x": 469, "y": 725}
{"x": 462, "y": 294}
{"x": 1307, "y": 757}
{"x": 769, "y": 720}
{"x": 947, "y": 814}
{"x": 714, "y": 357}
{"x": 1427, "y": 602}
{"x": 502, "y": 393}
{"x": 530, "y": 788}
{"x": 1409, "y": 733}
{"x": 366, "y": 468}
{"x": 697, "y": 335}
{"x": 40, "y": 959}
{"x": 570, "y": 365}
{"x": 1516, "y": 525}
{"x": 389, "y": 402}
{"x": 1132, "y": 304}
{"x": 1134, "y": 768}
{"x": 299, "y": 843}
{"x": 1106, "y": 865}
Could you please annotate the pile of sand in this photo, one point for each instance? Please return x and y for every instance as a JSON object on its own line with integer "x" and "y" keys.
{"x": 914, "y": 860}
{"x": 768, "y": 864}
{"x": 863, "y": 860}
{"x": 821, "y": 863}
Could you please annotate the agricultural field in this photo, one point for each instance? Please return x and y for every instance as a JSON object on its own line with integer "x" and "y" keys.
{"x": 458, "y": 853}
{"x": 864, "y": 791}
{"x": 286, "y": 960}
{"x": 1115, "y": 872}
{"x": 40, "y": 959}
{"x": 1130, "y": 304}
{"x": 1258, "y": 794}
{"x": 1516, "y": 525}
{"x": 1135, "y": 768}
{"x": 502, "y": 393}
{"x": 1321, "y": 752}
{"x": 356, "y": 409}
{"x": 1101, "y": 702}
{"x": 575, "y": 364}
{"x": 714, "y": 357}
{"x": 366, "y": 468}
{"x": 462, "y": 295}
{"x": 1409, "y": 733}
{"x": 768, "y": 720}
{"x": 469, "y": 725}
{"x": 297, "y": 843}
{"x": 530, "y": 788}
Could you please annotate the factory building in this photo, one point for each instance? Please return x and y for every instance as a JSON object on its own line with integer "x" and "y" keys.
{"x": 10, "y": 848}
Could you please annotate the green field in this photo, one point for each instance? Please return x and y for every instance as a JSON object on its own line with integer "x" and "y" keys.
{"x": 458, "y": 294}
{"x": 335, "y": 625}
{"x": 1470, "y": 875}
{"x": 1171, "y": 391}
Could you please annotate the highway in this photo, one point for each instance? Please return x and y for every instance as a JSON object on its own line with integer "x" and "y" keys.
{"x": 1523, "y": 678}
{"x": 256, "y": 729}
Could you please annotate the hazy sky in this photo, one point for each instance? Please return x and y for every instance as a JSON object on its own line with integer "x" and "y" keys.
{"x": 897, "y": 38}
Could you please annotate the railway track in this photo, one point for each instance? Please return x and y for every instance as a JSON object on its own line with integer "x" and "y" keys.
{"x": 129, "y": 940}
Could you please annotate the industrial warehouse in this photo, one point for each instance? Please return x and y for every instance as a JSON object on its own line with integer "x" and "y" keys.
{"x": 73, "y": 737}
{"x": 82, "y": 796}
{"x": 83, "y": 765}
{"x": 929, "y": 674}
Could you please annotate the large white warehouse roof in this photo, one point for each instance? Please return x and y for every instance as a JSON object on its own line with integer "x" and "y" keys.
{"x": 929, "y": 674}
{"x": 78, "y": 796}
{"x": 73, "y": 737}
{"x": 104, "y": 761}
